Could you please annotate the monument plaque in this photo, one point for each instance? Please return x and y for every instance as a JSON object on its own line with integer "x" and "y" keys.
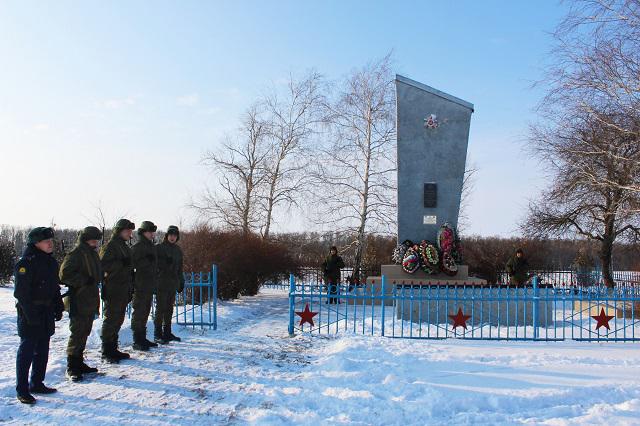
{"x": 430, "y": 195}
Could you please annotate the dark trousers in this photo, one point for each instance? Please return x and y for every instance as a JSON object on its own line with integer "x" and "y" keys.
{"x": 141, "y": 309}
{"x": 80, "y": 327}
{"x": 164, "y": 311}
{"x": 333, "y": 291}
{"x": 33, "y": 353}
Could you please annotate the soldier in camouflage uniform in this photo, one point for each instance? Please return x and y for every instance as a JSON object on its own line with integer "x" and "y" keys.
{"x": 145, "y": 262}
{"x": 117, "y": 286}
{"x": 170, "y": 280}
{"x": 81, "y": 271}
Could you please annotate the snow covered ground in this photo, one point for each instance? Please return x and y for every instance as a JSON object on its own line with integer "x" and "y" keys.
{"x": 250, "y": 371}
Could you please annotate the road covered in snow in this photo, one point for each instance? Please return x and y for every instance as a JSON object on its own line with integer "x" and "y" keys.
{"x": 251, "y": 372}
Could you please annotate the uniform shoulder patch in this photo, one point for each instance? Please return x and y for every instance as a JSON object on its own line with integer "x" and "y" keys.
{"x": 22, "y": 270}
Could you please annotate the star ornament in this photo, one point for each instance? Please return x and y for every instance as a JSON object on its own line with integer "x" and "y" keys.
{"x": 306, "y": 316}
{"x": 459, "y": 319}
{"x": 603, "y": 319}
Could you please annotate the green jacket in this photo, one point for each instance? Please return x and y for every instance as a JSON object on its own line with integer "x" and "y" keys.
{"x": 518, "y": 270}
{"x": 145, "y": 262}
{"x": 170, "y": 275}
{"x": 81, "y": 271}
{"x": 117, "y": 265}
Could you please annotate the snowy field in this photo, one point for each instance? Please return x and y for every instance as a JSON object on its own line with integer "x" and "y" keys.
{"x": 250, "y": 371}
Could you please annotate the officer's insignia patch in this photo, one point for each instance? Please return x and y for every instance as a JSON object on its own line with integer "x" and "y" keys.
{"x": 22, "y": 270}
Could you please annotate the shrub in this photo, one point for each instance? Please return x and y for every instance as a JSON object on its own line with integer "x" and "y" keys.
{"x": 245, "y": 261}
{"x": 7, "y": 261}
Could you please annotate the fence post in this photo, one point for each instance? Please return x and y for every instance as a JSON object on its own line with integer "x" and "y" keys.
{"x": 292, "y": 302}
{"x": 214, "y": 271}
{"x": 382, "y": 300}
{"x": 536, "y": 303}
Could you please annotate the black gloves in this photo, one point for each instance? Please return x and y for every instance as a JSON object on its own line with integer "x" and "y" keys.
{"x": 59, "y": 309}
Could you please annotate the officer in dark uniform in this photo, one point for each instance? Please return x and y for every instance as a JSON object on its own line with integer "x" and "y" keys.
{"x": 81, "y": 271}
{"x": 37, "y": 291}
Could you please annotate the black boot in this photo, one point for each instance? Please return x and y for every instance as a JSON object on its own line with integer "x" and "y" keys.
{"x": 159, "y": 337}
{"x": 140, "y": 342}
{"x": 26, "y": 398}
{"x": 150, "y": 344}
{"x": 74, "y": 372}
{"x": 85, "y": 369}
{"x": 118, "y": 354}
{"x": 109, "y": 353}
{"x": 42, "y": 389}
{"x": 170, "y": 336}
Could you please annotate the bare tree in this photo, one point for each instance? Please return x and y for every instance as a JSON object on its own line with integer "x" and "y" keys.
{"x": 588, "y": 138}
{"x": 468, "y": 185}
{"x": 596, "y": 72}
{"x": 577, "y": 203}
{"x": 355, "y": 175}
{"x": 292, "y": 120}
{"x": 240, "y": 166}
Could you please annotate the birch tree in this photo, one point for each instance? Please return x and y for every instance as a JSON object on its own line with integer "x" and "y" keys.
{"x": 241, "y": 170}
{"x": 355, "y": 177}
{"x": 293, "y": 117}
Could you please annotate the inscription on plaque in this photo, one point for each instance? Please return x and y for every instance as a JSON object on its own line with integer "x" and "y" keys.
{"x": 430, "y": 219}
{"x": 430, "y": 195}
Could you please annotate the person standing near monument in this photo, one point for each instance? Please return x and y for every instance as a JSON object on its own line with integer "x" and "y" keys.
{"x": 170, "y": 280}
{"x": 145, "y": 262}
{"x": 117, "y": 286}
{"x": 81, "y": 271}
{"x": 331, "y": 271}
{"x": 37, "y": 291}
{"x": 518, "y": 269}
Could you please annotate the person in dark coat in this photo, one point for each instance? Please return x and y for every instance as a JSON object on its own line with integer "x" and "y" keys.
{"x": 39, "y": 305}
{"x": 331, "y": 271}
{"x": 145, "y": 284}
{"x": 518, "y": 269}
{"x": 170, "y": 281}
{"x": 81, "y": 271}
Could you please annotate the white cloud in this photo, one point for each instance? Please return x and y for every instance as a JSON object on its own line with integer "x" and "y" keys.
{"x": 188, "y": 100}
{"x": 119, "y": 103}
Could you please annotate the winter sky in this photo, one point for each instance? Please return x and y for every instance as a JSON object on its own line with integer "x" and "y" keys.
{"x": 113, "y": 103}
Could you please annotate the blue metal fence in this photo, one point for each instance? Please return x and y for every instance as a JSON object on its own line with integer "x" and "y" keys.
{"x": 488, "y": 312}
{"x": 197, "y": 305}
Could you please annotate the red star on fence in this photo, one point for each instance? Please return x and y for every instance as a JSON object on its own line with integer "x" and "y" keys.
{"x": 306, "y": 316}
{"x": 459, "y": 319}
{"x": 603, "y": 319}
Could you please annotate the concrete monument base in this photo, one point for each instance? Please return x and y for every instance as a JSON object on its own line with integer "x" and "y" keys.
{"x": 437, "y": 303}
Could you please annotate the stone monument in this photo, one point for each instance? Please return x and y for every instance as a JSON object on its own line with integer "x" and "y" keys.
{"x": 432, "y": 139}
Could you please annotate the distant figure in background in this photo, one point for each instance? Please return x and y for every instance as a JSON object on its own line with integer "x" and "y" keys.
{"x": 81, "y": 271}
{"x": 331, "y": 270}
{"x": 170, "y": 281}
{"x": 518, "y": 269}
{"x": 37, "y": 291}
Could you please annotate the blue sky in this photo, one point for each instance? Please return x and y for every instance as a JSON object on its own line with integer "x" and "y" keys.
{"x": 114, "y": 102}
